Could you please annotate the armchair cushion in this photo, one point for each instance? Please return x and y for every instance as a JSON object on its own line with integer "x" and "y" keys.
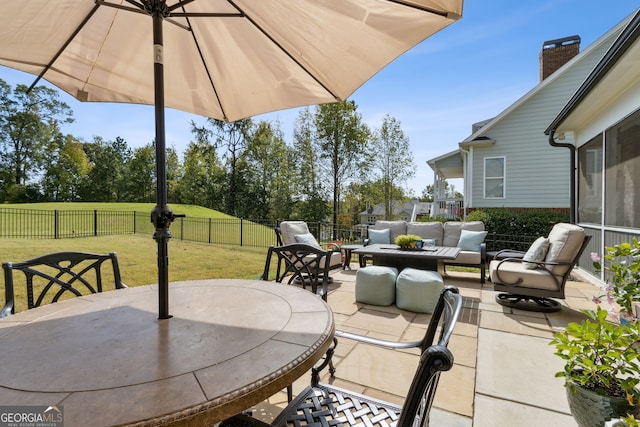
{"x": 536, "y": 253}
{"x": 308, "y": 239}
{"x": 379, "y": 236}
{"x": 564, "y": 242}
{"x": 512, "y": 271}
{"x": 471, "y": 240}
{"x": 289, "y": 229}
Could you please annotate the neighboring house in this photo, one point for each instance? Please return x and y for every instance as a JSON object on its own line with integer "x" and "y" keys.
{"x": 507, "y": 162}
{"x": 408, "y": 211}
{"x": 600, "y": 127}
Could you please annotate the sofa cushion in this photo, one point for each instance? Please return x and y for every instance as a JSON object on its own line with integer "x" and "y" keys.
{"x": 396, "y": 228}
{"x": 471, "y": 240}
{"x": 427, "y": 230}
{"x": 564, "y": 243}
{"x": 452, "y": 231}
{"x": 308, "y": 239}
{"x": 536, "y": 253}
{"x": 380, "y": 236}
{"x": 466, "y": 257}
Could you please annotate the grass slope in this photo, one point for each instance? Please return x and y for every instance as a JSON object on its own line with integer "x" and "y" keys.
{"x": 189, "y": 210}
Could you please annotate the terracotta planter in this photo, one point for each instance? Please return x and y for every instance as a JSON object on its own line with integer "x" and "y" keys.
{"x": 591, "y": 409}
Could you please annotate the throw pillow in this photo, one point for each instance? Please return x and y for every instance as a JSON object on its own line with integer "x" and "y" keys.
{"x": 380, "y": 236}
{"x": 307, "y": 239}
{"x": 471, "y": 240}
{"x": 536, "y": 253}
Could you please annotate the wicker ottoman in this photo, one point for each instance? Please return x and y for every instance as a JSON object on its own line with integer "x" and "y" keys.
{"x": 376, "y": 285}
{"x": 418, "y": 290}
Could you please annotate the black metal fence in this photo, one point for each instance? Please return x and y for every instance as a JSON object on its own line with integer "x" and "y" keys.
{"x": 64, "y": 224}
{"x": 496, "y": 242}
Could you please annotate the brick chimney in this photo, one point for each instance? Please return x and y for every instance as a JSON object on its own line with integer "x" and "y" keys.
{"x": 556, "y": 53}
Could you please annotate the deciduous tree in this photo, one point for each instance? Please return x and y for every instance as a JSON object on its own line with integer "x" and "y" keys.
{"x": 29, "y": 124}
{"x": 341, "y": 138}
{"x": 391, "y": 161}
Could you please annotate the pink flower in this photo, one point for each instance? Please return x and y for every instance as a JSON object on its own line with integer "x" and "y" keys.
{"x": 595, "y": 257}
{"x": 596, "y": 300}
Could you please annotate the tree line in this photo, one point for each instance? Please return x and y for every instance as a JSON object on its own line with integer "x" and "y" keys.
{"x": 334, "y": 167}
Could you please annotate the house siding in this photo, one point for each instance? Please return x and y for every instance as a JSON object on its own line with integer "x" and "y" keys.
{"x": 537, "y": 174}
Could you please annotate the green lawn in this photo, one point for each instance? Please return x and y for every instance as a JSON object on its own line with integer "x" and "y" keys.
{"x": 137, "y": 255}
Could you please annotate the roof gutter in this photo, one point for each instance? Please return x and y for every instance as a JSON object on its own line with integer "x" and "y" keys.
{"x": 620, "y": 46}
{"x": 572, "y": 168}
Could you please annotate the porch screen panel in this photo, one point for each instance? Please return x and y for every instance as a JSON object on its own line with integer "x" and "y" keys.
{"x": 590, "y": 165}
{"x": 622, "y": 175}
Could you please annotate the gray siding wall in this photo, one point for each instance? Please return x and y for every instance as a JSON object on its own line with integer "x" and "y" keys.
{"x": 537, "y": 174}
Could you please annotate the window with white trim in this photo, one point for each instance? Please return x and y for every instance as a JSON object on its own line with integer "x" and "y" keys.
{"x": 494, "y": 177}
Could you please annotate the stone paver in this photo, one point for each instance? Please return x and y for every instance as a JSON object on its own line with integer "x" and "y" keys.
{"x": 504, "y": 367}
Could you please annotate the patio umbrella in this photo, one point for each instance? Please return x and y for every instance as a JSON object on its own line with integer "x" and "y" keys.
{"x": 224, "y": 59}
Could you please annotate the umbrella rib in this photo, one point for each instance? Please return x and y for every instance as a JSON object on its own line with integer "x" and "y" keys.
{"x": 204, "y": 63}
{"x": 64, "y": 46}
{"x": 285, "y": 51}
{"x": 139, "y": 8}
{"x": 445, "y": 14}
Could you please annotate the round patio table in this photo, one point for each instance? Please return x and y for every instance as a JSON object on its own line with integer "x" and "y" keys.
{"x": 106, "y": 359}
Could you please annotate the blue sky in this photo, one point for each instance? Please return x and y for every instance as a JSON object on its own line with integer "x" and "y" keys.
{"x": 468, "y": 72}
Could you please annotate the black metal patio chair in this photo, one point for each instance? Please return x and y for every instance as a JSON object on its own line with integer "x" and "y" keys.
{"x": 53, "y": 276}
{"x": 322, "y": 404}
{"x": 303, "y": 264}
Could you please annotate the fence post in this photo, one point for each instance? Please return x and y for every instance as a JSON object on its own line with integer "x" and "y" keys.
{"x": 55, "y": 224}
{"x": 209, "y": 232}
{"x": 135, "y": 217}
{"x": 95, "y": 222}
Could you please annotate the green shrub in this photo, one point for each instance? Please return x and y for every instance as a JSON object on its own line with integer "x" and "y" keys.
{"x": 479, "y": 215}
{"x": 526, "y": 223}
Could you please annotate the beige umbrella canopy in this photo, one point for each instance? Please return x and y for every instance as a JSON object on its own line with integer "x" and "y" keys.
{"x": 224, "y": 59}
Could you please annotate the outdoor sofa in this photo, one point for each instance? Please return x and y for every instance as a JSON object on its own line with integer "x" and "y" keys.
{"x": 469, "y": 236}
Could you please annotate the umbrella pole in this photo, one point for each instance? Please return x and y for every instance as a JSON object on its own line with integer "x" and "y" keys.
{"x": 161, "y": 215}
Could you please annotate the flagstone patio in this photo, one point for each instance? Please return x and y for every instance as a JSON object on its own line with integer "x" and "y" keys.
{"x": 504, "y": 367}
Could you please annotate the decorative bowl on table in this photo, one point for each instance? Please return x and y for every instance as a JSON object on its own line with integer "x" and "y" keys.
{"x": 409, "y": 242}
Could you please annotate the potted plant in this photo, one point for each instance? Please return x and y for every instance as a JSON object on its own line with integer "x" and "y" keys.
{"x": 602, "y": 368}
{"x": 409, "y": 241}
{"x": 622, "y": 291}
